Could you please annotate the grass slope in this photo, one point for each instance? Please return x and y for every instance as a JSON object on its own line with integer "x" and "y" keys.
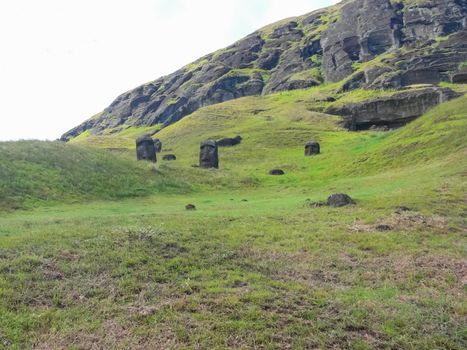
{"x": 275, "y": 128}
{"x": 255, "y": 266}
{"x": 35, "y": 172}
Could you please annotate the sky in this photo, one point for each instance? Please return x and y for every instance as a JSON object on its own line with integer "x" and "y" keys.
{"x": 62, "y": 61}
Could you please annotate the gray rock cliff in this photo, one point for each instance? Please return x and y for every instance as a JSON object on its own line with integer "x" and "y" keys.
{"x": 375, "y": 44}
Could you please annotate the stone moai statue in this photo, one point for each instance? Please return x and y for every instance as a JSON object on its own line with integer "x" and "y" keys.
{"x": 145, "y": 149}
{"x": 158, "y": 145}
{"x": 208, "y": 154}
{"x": 312, "y": 148}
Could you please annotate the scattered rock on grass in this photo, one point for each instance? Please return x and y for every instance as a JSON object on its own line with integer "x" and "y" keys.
{"x": 229, "y": 141}
{"x": 190, "y": 207}
{"x": 169, "y": 157}
{"x": 276, "y": 172}
{"x": 339, "y": 200}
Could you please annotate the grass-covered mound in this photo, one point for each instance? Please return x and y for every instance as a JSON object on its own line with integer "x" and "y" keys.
{"x": 35, "y": 172}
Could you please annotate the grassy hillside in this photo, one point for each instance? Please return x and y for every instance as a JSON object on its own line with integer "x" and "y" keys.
{"x": 257, "y": 265}
{"x": 275, "y": 128}
{"x": 34, "y": 173}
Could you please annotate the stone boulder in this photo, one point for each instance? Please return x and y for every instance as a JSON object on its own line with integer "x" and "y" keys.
{"x": 209, "y": 154}
{"x": 276, "y": 172}
{"x": 229, "y": 141}
{"x": 190, "y": 207}
{"x": 145, "y": 149}
{"x": 339, "y": 200}
{"x": 169, "y": 157}
{"x": 312, "y": 148}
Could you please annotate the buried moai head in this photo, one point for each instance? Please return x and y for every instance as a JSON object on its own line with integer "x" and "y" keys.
{"x": 312, "y": 148}
{"x": 208, "y": 154}
{"x": 145, "y": 149}
{"x": 158, "y": 145}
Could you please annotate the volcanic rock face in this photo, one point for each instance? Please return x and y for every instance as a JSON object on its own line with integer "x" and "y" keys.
{"x": 366, "y": 29}
{"x": 459, "y": 78}
{"x": 433, "y": 18}
{"x": 328, "y": 44}
{"x": 405, "y": 32}
{"x": 391, "y": 111}
{"x": 429, "y": 64}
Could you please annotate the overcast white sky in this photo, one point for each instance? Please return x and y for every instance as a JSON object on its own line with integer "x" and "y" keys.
{"x": 62, "y": 61}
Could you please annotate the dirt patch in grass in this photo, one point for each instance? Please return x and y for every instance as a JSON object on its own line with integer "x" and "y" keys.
{"x": 112, "y": 335}
{"x": 410, "y": 220}
{"x": 51, "y": 271}
{"x": 401, "y": 221}
{"x": 288, "y": 267}
{"x": 433, "y": 269}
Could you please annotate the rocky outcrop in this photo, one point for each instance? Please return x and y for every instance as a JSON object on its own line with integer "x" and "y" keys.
{"x": 422, "y": 42}
{"x": 459, "y": 78}
{"x": 427, "y": 20}
{"x": 368, "y": 28}
{"x": 438, "y": 61}
{"x": 392, "y": 111}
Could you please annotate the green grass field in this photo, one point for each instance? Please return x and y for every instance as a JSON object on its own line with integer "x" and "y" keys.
{"x": 98, "y": 251}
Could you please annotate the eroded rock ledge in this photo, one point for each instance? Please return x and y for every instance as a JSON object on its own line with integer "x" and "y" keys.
{"x": 391, "y": 111}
